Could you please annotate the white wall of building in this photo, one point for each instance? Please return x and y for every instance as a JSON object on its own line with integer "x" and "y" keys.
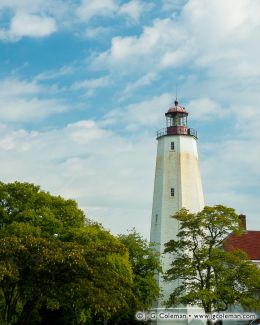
{"x": 177, "y": 169}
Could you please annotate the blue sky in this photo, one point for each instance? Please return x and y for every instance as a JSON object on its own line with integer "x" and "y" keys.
{"x": 84, "y": 86}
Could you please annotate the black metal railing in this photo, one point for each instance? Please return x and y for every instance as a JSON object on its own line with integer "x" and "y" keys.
{"x": 164, "y": 131}
{"x": 193, "y": 132}
{"x": 161, "y": 132}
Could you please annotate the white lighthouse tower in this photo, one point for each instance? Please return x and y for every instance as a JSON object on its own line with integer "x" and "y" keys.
{"x": 177, "y": 184}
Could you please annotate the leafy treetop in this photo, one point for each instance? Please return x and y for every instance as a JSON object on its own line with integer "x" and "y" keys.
{"x": 210, "y": 277}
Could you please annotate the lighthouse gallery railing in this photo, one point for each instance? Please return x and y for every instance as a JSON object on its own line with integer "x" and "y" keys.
{"x": 164, "y": 131}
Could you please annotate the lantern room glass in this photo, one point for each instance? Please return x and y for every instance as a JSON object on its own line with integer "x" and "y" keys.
{"x": 176, "y": 120}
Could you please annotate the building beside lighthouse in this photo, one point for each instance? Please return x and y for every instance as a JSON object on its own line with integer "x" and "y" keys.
{"x": 177, "y": 184}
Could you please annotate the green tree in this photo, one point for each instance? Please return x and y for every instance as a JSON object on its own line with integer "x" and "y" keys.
{"x": 54, "y": 261}
{"x": 210, "y": 277}
{"x": 144, "y": 260}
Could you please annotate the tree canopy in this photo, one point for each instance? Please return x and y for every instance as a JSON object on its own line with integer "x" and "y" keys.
{"x": 211, "y": 277}
{"x": 145, "y": 261}
{"x": 57, "y": 266}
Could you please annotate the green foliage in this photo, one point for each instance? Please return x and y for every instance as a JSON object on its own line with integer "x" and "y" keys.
{"x": 210, "y": 277}
{"x": 55, "y": 265}
{"x": 24, "y": 202}
{"x": 144, "y": 260}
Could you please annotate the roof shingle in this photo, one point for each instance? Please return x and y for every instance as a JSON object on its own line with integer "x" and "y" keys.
{"x": 248, "y": 242}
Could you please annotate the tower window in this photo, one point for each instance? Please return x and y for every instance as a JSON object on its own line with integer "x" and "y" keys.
{"x": 156, "y": 218}
{"x": 172, "y": 145}
{"x": 172, "y": 191}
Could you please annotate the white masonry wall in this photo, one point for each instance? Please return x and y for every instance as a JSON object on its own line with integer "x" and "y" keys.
{"x": 178, "y": 169}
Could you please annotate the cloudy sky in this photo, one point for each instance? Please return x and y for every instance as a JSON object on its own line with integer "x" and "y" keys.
{"x": 84, "y": 85}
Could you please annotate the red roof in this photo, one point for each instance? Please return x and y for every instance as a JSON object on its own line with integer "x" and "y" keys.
{"x": 248, "y": 242}
{"x": 177, "y": 109}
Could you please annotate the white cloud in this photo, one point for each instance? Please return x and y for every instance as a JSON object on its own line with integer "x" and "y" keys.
{"x": 174, "y": 59}
{"x": 143, "y": 52}
{"x": 230, "y": 170}
{"x": 168, "y": 5}
{"x": 21, "y": 101}
{"x": 228, "y": 45}
{"x": 54, "y": 74}
{"x": 144, "y": 115}
{"x": 28, "y": 25}
{"x": 34, "y": 18}
{"x": 203, "y": 109}
{"x": 32, "y": 25}
{"x": 18, "y": 4}
{"x": 12, "y": 87}
{"x": 90, "y": 8}
{"x": 55, "y": 8}
{"x": 133, "y": 9}
{"x": 145, "y": 80}
{"x": 90, "y": 85}
{"x": 98, "y": 31}
{"x": 247, "y": 120}
{"x": 84, "y": 132}
{"x": 41, "y": 18}
{"x": 22, "y": 110}
{"x": 108, "y": 174}
{"x": 111, "y": 175}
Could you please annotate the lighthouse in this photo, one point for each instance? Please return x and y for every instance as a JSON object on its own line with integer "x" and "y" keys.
{"x": 177, "y": 185}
